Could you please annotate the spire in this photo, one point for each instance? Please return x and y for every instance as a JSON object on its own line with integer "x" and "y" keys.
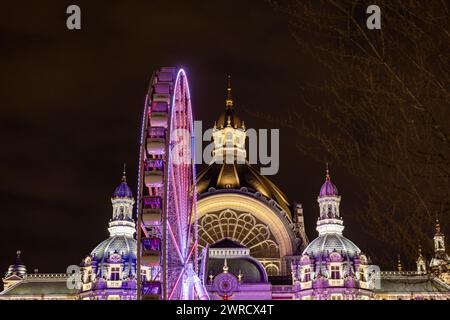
{"x": 124, "y": 174}
{"x": 439, "y": 240}
{"x": 420, "y": 262}
{"x": 18, "y": 260}
{"x": 229, "y": 100}
{"x": 399, "y": 264}
{"x": 123, "y": 190}
{"x": 438, "y": 227}
{"x": 327, "y": 177}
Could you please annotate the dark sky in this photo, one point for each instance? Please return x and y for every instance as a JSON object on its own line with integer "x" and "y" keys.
{"x": 71, "y": 103}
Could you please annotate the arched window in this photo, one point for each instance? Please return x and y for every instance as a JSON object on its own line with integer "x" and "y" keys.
{"x": 272, "y": 270}
{"x": 362, "y": 275}
{"x": 307, "y": 275}
{"x": 330, "y": 211}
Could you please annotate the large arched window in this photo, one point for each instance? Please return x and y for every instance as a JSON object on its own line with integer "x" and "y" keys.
{"x": 243, "y": 228}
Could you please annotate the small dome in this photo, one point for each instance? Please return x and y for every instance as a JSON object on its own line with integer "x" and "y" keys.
{"x": 18, "y": 268}
{"x": 125, "y": 246}
{"x": 328, "y": 189}
{"x": 328, "y": 243}
{"x": 123, "y": 191}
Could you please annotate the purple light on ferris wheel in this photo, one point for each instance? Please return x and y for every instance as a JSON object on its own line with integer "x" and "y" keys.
{"x": 159, "y": 107}
{"x": 152, "y": 202}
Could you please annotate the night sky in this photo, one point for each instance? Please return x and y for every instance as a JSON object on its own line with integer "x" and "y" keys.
{"x": 71, "y": 103}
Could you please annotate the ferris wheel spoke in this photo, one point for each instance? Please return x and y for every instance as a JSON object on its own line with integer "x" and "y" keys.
{"x": 181, "y": 273}
{"x": 175, "y": 243}
{"x": 176, "y": 194}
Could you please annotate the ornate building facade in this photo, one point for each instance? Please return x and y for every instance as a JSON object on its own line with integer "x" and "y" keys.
{"x": 236, "y": 202}
{"x": 332, "y": 267}
{"x": 253, "y": 242}
{"x": 18, "y": 284}
{"x": 431, "y": 281}
{"x": 109, "y": 272}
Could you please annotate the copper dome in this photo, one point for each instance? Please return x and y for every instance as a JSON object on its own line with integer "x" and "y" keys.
{"x": 236, "y": 176}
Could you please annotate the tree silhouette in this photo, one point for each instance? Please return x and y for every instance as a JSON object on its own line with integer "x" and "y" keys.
{"x": 384, "y": 106}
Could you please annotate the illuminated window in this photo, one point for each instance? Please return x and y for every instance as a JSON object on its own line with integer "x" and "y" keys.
{"x": 336, "y": 297}
{"x": 362, "y": 275}
{"x": 115, "y": 273}
{"x": 242, "y": 227}
{"x": 335, "y": 272}
{"x": 89, "y": 275}
{"x": 307, "y": 275}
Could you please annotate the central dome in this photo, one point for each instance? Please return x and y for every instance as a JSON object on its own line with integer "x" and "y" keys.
{"x": 327, "y": 243}
{"x": 236, "y": 176}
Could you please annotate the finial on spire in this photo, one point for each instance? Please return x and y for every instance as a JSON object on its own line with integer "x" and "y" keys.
{"x": 328, "y": 172}
{"x": 124, "y": 173}
{"x": 229, "y": 100}
{"x": 18, "y": 252}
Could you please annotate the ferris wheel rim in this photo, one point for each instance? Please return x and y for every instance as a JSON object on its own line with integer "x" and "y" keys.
{"x": 184, "y": 252}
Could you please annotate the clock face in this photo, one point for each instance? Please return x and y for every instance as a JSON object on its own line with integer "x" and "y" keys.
{"x": 225, "y": 284}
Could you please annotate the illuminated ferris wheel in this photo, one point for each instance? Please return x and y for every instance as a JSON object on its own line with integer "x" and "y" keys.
{"x": 167, "y": 223}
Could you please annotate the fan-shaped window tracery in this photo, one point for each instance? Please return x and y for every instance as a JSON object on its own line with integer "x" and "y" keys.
{"x": 241, "y": 227}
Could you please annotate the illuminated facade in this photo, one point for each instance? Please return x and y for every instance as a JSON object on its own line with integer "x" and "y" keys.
{"x": 332, "y": 267}
{"x": 431, "y": 281}
{"x": 109, "y": 272}
{"x": 18, "y": 284}
{"x": 252, "y": 242}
